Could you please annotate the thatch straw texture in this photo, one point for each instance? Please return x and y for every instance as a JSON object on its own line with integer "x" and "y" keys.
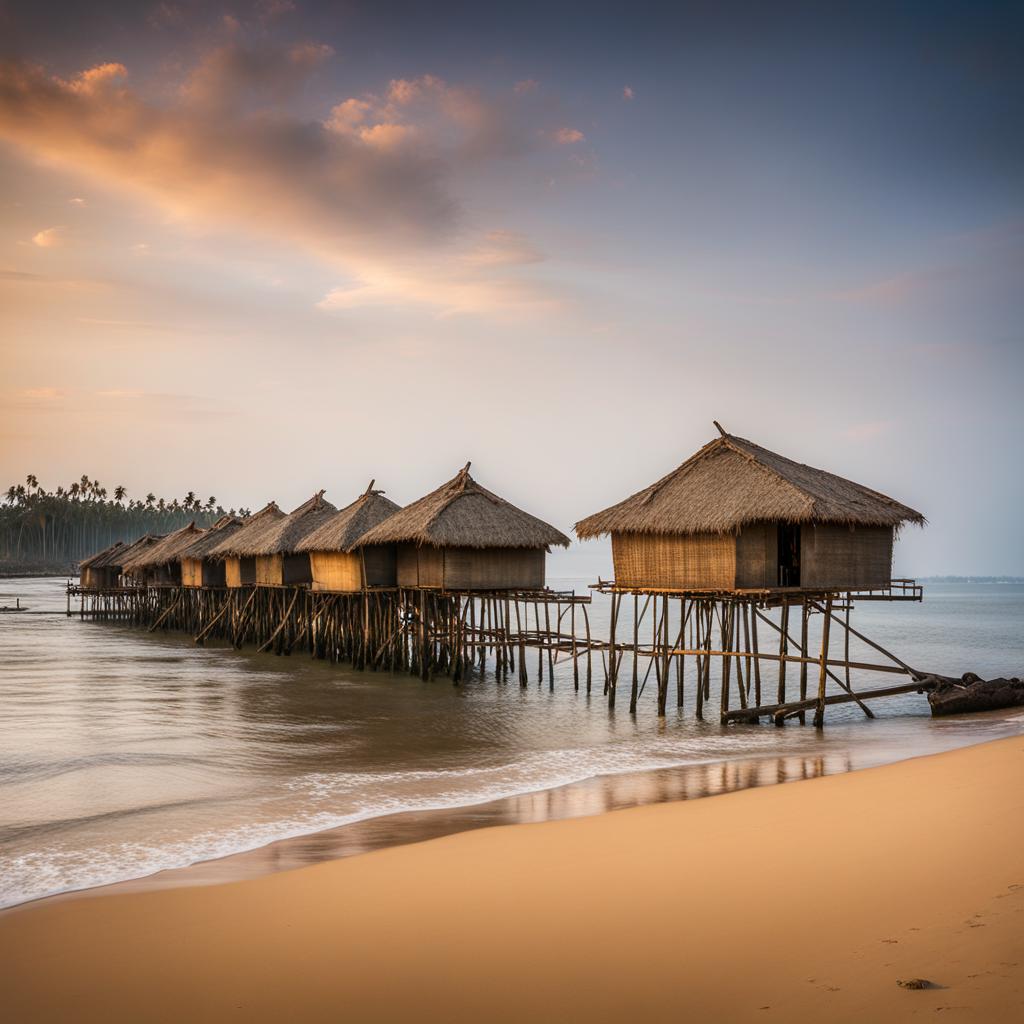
{"x": 461, "y": 513}
{"x": 732, "y": 482}
{"x": 102, "y": 559}
{"x": 236, "y": 544}
{"x": 280, "y": 536}
{"x": 164, "y": 551}
{"x": 202, "y": 546}
{"x": 345, "y": 529}
{"x": 118, "y": 553}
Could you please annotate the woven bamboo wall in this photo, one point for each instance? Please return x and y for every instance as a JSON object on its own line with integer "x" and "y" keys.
{"x": 757, "y": 556}
{"x": 191, "y": 572}
{"x": 840, "y": 557}
{"x": 98, "y": 579}
{"x": 269, "y": 570}
{"x": 420, "y": 566}
{"x": 233, "y": 572}
{"x": 701, "y": 561}
{"x": 470, "y": 568}
{"x": 336, "y": 570}
{"x": 494, "y": 568}
{"x": 341, "y": 571}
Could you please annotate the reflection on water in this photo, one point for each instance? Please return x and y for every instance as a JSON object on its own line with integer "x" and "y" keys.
{"x": 124, "y": 753}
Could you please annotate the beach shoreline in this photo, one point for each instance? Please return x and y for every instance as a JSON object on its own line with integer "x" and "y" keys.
{"x": 787, "y": 901}
{"x": 598, "y": 794}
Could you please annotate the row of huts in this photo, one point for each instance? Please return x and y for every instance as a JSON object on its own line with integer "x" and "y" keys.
{"x": 458, "y": 537}
{"x": 734, "y": 516}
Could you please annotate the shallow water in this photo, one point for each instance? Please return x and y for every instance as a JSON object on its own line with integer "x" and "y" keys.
{"x": 123, "y": 753}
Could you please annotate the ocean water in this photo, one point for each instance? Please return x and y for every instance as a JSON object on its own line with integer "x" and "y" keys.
{"x": 124, "y": 753}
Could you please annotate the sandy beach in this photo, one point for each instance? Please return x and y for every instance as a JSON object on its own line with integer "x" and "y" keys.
{"x": 806, "y": 901}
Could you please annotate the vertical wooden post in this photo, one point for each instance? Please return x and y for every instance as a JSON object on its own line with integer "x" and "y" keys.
{"x": 819, "y": 713}
{"x": 611, "y": 681}
{"x": 636, "y": 644}
{"x": 805, "y": 614}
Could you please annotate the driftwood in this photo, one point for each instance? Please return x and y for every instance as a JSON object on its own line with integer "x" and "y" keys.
{"x": 971, "y": 693}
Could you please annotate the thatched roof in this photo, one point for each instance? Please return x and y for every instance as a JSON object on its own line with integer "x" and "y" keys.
{"x": 732, "y": 482}
{"x": 166, "y": 550}
{"x": 216, "y": 534}
{"x": 280, "y": 536}
{"x": 463, "y": 514}
{"x": 119, "y": 552}
{"x": 99, "y": 560}
{"x": 237, "y": 543}
{"x": 345, "y": 529}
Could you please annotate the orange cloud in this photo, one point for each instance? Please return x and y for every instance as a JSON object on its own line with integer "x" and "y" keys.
{"x": 48, "y": 238}
{"x": 568, "y": 136}
{"x": 98, "y": 78}
{"x": 366, "y": 191}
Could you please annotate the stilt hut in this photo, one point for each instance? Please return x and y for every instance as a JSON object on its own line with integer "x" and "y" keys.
{"x": 278, "y": 560}
{"x": 235, "y": 549}
{"x": 463, "y": 537}
{"x": 736, "y": 516}
{"x": 159, "y": 564}
{"x": 105, "y": 569}
{"x": 338, "y": 559}
{"x": 198, "y": 569}
{"x": 100, "y": 571}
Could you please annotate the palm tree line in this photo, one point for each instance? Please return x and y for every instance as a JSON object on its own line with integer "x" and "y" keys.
{"x": 74, "y": 522}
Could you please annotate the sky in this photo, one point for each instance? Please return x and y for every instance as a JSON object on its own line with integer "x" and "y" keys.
{"x": 255, "y": 249}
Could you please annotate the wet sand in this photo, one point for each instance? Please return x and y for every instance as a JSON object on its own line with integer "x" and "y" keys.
{"x": 798, "y": 902}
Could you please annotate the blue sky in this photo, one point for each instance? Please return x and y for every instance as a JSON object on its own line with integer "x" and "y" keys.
{"x": 256, "y": 249}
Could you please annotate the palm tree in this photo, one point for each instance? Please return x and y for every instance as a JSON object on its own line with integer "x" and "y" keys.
{"x": 119, "y": 493}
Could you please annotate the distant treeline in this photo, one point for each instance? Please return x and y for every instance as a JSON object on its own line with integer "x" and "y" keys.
{"x": 66, "y": 525}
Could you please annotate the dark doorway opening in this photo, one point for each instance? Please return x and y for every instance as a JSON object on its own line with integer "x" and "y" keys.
{"x": 789, "y": 555}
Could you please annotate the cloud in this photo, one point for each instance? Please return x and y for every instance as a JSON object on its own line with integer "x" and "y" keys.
{"x": 527, "y": 85}
{"x": 20, "y": 275}
{"x": 77, "y": 201}
{"x": 98, "y": 79}
{"x": 48, "y": 238}
{"x": 568, "y": 136}
{"x": 42, "y": 394}
{"x": 367, "y": 190}
{"x": 230, "y": 75}
{"x": 627, "y": 92}
{"x": 273, "y": 173}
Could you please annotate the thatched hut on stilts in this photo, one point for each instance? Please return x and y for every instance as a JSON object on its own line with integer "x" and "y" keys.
{"x": 737, "y": 516}
{"x": 339, "y": 560}
{"x": 101, "y": 571}
{"x": 736, "y": 530}
{"x": 105, "y": 569}
{"x": 236, "y": 551}
{"x": 275, "y": 547}
{"x": 159, "y": 564}
{"x": 463, "y": 537}
{"x": 198, "y": 568}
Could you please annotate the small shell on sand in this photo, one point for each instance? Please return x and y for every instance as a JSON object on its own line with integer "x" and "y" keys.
{"x": 914, "y": 983}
